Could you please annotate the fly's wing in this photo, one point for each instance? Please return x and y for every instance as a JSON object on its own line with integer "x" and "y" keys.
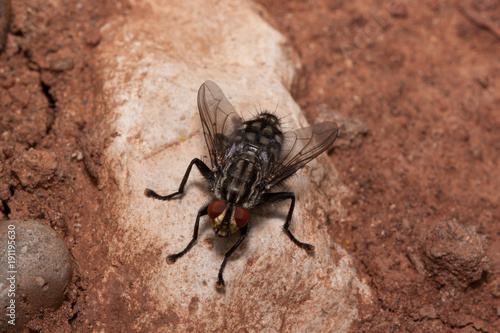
{"x": 299, "y": 148}
{"x": 219, "y": 121}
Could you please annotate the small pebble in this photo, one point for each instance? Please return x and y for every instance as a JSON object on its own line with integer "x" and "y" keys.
{"x": 35, "y": 168}
{"x": 20, "y": 93}
{"x": 34, "y": 272}
{"x": 397, "y": 9}
{"x": 61, "y": 65}
{"x": 93, "y": 37}
{"x": 77, "y": 155}
{"x": 455, "y": 253}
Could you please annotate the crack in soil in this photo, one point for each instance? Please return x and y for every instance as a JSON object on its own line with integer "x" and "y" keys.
{"x": 52, "y": 104}
{"x": 5, "y": 208}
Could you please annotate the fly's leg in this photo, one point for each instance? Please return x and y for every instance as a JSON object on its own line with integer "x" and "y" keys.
{"x": 281, "y": 196}
{"x": 220, "y": 280}
{"x": 207, "y": 173}
{"x": 173, "y": 257}
{"x": 204, "y": 170}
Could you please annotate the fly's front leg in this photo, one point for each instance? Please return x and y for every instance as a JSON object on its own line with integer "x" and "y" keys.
{"x": 220, "y": 280}
{"x": 281, "y": 196}
{"x": 204, "y": 170}
{"x": 173, "y": 257}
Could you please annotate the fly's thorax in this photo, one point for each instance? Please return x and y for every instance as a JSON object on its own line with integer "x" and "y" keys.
{"x": 262, "y": 135}
{"x": 270, "y": 119}
{"x": 239, "y": 181}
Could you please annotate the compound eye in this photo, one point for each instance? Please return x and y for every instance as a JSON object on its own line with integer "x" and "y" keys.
{"x": 241, "y": 217}
{"x": 216, "y": 208}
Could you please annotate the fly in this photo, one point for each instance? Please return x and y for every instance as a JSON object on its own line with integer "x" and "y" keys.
{"x": 248, "y": 159}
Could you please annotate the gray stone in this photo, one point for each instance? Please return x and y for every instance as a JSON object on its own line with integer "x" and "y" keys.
{"x": 35, "y": 271}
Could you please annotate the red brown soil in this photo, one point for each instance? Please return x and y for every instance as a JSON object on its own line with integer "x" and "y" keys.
{"x": 419, "y": 83}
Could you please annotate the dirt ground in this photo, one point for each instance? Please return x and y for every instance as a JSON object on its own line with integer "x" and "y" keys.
{"x": 415, "y": 87}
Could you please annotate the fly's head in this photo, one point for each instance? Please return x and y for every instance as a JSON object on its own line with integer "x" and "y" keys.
{"x": 227, "y": 218}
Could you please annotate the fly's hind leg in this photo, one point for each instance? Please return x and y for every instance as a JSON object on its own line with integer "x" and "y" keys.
{"x": 173, "y": 257}
{"x": 204, "y": 170}
{"x": 281, "y": 196}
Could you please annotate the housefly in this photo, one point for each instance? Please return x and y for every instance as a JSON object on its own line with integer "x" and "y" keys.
{"x": 248, "y": 159}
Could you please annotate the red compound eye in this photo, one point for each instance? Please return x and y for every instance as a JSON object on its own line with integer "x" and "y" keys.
{"x": 241, "y": 217}
{"x": 216, "y": 208}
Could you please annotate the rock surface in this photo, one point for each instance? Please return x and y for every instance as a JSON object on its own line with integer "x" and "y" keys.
{"x": 36, "y": 272}
{"x": 154, "y": 61}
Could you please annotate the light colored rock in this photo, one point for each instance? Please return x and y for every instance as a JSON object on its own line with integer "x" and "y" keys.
{"x": 154, "y": 61}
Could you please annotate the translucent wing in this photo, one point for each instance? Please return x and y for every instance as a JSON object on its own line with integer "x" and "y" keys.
{"x": 219, "y": 121}
{"x": 299, "y": 148}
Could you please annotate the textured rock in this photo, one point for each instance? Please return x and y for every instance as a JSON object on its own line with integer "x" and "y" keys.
{"x": 455, "y": 253}
{"x": 61, "y": 65}
{"x": 36, "y": 272}
{"x": 150, "y": 94}
{"x": 35, "y": 168}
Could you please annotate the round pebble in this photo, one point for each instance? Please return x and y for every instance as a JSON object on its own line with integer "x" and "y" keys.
{"x": 35, "y": 271}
